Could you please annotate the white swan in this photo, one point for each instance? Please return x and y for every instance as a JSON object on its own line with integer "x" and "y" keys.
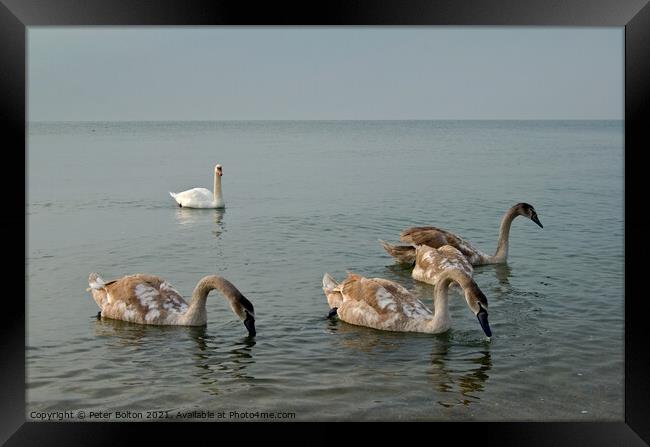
{"x": 202, "y": 197}
{"x": 385, "y": 305}
{"x": 149, "y": 299}
{"x": 436, "y": 237}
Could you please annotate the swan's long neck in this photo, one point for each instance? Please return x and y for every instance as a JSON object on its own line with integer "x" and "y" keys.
{"x": 441, "y": 318}
{"x": 504, "y": 235}
{"x": 196, "y": 313}
{"x": 217, "y": 188}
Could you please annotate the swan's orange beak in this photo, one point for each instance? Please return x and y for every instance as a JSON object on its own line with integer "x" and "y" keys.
{"x": 219, "y": 172}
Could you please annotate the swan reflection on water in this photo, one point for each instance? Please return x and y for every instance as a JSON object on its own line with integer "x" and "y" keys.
{"x": 364, "y": 339}
{"x": 215, "y": 358}
{"x": 502, "y": 273}
{"x": 458, "y": 372}
{"x": 123, "y": 333}
{"x": 190, "y": 217}
{"x": 461, "y": 376}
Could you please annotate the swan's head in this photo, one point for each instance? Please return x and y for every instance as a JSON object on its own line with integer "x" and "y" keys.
{"x": 246, "y": 312}
{"x": 527, "y": 210}
{"x": 218, "y": 171}
{"x": 478, "y": 304}
{"x": 249, "y": 322}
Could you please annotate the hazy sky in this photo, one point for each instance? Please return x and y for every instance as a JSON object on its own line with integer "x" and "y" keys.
{"x": 228, "y": 73}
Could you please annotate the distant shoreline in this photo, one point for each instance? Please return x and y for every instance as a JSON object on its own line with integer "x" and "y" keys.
{"x": 320, "y": 120}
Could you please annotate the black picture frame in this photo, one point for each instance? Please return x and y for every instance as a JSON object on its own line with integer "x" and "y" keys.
{"x": 634, "y": 15}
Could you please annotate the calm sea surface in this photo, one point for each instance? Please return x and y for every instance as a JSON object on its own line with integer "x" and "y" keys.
{"x": 305, "y": 198}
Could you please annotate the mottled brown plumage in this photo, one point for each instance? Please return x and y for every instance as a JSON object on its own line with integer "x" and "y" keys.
{"x": 149, "y": 299}
{"x": 385, "y": 305}
{"x": 436, "y": 237}
{"x": 431, "y": 263}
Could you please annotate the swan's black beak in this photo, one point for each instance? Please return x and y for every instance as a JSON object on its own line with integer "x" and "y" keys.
{"x": 249, "y": 322}
{"x": 332, "y": 312}
{"x": 482, "y": 316}
{"x": 536, "y": 220}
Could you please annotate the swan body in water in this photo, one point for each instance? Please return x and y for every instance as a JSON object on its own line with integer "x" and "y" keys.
{"x": 149, "y": 299}
{"x": 385, "y": 305}
{"x": 436, "y": 238}
{"x": 202, "y": 197}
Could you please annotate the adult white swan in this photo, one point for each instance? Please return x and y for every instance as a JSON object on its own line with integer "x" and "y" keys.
{"x": 202, "y": 197}
{"x": 149, "y": 299}
{"x": 436, "y": 238}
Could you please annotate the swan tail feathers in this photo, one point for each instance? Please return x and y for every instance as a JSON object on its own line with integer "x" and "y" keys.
{"x": 173, "y": 194}
{"x": 329, "y": 283}
{"x": 332, "y": 291}
{"x": 95, "y": 282}
{"x": 404, "y": 254}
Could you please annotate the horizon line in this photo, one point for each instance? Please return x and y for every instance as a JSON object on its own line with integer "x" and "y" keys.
{"x": 324, "y": 119}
